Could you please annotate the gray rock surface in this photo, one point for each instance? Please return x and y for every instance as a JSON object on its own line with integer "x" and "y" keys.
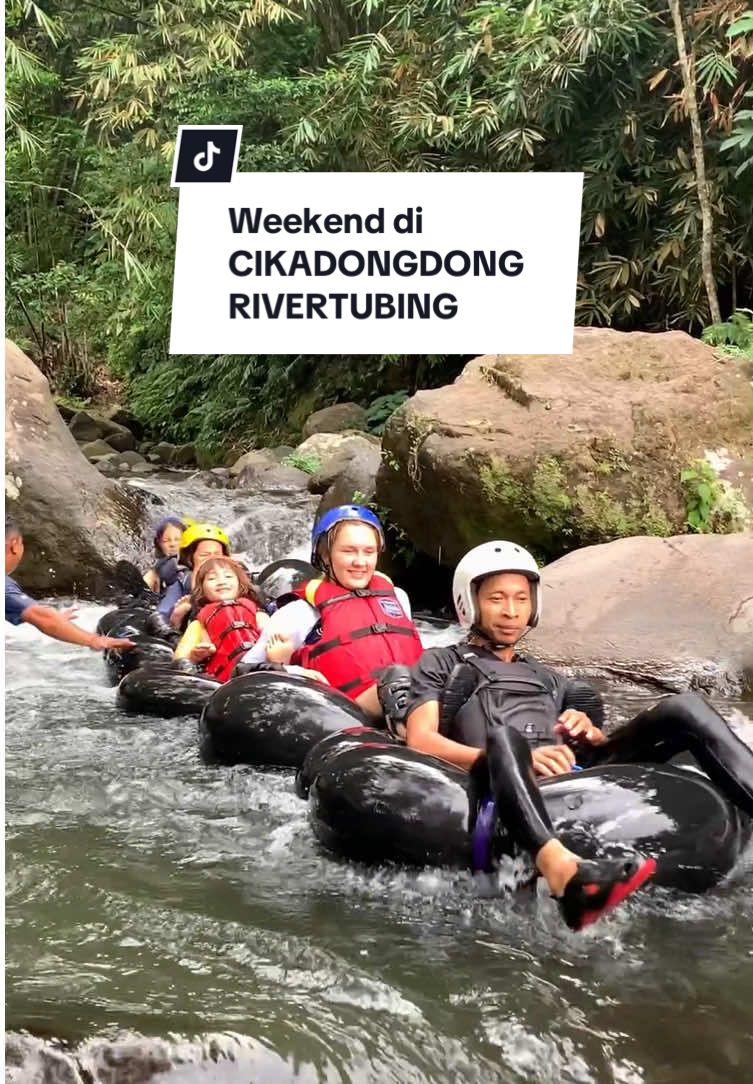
{"x": 76, "y": 524}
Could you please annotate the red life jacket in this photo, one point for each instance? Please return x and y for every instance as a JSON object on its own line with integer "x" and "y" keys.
{"x": 232, "y": 628}
{"x": 362, "y": 631}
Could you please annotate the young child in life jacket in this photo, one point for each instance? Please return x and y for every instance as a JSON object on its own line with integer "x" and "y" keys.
{"x": 167, "y": 535}
{"x": 228, "y": 621}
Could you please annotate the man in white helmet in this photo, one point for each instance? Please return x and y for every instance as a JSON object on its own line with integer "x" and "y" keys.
{"x": 508, "y": 719}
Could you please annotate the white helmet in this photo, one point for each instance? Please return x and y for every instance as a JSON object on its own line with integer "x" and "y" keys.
{"x": 486, "y": 560}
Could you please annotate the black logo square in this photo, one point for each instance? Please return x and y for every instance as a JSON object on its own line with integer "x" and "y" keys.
{"x": 206, "y": 154}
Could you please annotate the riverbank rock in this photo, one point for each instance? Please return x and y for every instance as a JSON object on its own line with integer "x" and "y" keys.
{"x": 184, "y": 455}
{"x": 162, "y": 452}
{"x": 333, "y": 419}
{"x": 561, "y": 452}
{"x": 246, "y": 468}
{"x": 122, "y": 416}
{"x": 275, "y": 478}
{"x": 87, "y": 427}
{"x": 76, "y": 524}
{"x": 348, "y": 473}
{"x": 676, "y": 612}
{"x": 96, "y": 449}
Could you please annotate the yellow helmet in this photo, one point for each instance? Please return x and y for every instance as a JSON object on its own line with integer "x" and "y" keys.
{"x": 202, "y": 532}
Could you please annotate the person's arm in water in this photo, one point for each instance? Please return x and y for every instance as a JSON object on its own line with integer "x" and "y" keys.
{"x": 55, "y": 624}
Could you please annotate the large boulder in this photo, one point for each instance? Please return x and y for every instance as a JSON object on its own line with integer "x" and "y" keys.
{"x": 184, "y": 455}
{"x": 96, "y": 449}
{"x": 561, "y": 452}
{"x": 333, "y": 419}
{"x": 122, "y": 416}
{"x": 277, "y": 478}
{"x": 76, "y": 524}
{"x": 677, "y": 612}
{"x": 121, "y": 439}
{"x": 348, "y": 474}
{"x": 162, "y": 452}
{"x": 246, "y": 469}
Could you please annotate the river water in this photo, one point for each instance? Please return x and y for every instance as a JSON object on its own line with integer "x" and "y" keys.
{"x": 147, "y": 894}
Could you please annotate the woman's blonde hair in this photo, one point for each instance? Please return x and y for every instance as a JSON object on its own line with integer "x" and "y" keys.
{"x": 245, "y": 588}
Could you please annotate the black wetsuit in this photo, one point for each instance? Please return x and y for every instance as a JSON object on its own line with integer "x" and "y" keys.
{"x": 514, "y": 707}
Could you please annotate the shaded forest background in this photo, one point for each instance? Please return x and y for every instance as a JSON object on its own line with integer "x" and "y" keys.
{"x": 95, "y": 93}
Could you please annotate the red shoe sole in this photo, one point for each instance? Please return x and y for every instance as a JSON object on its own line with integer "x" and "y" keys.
{"x": 620, "y": 892}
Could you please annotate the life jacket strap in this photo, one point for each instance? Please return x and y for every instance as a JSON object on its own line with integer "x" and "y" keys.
{"x": 369, "y": 630}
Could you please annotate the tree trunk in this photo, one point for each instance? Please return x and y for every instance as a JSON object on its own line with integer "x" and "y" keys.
{"x": 707, "y": 223}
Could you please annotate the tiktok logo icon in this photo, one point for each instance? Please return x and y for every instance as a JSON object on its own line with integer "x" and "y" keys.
{"x": 204, "y": 161}
{"x": 206, "y": 153}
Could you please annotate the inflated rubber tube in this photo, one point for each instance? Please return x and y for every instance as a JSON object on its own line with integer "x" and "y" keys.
{"x": 272, "y": 718}
{"x": 134, "y": 617}
{"x": 148, "y": 649}
{"x": 164, "y": 691}
{"x": 375, "y": 801}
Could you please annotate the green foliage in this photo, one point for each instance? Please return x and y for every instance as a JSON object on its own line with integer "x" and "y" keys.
{"x": 308, "y": 462}
{"x": 735, "y": 334}
{"x": 561, "y": 85}
{"x": 94, "y": 94}
{"x": 701, "y": 488}
{"x": 382, "y": 408}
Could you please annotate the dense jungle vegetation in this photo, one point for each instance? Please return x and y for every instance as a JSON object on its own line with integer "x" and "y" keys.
{"x": 652, "y": 100}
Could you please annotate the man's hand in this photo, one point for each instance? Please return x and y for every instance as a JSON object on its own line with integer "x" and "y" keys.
{"x": 550, "y": 760}
{"x": 577, "y": 725}
{"x": 110, "y": 643}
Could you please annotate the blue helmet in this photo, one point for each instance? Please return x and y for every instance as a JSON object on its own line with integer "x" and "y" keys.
{"x": 355, "y": 513}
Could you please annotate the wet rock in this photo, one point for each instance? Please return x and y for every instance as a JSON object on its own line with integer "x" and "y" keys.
{"x": 347, "y": 475}
{"x": 76, "y": 523}
{"x": 85, "y": 427}
{"x": 162, "y": 453}
{"x": 133, "y": 459}
{"x": 333, "y": 419}
{"x": 249, "y": 466}
{"x": 123, "y": 416}
{"x": 95, "y": 449}
{"x": 184, "y": 455}
{"x": 674, "y": 611}
{"x": 276, "y": 479}
{"x": 66, "y": 412}
{"x": 216, "y": 478}
{"x": 257, "y": 460}
{"x": 560, "y": 452}
{"x": 122, "y": 440}
{"x": 108, "y": 464}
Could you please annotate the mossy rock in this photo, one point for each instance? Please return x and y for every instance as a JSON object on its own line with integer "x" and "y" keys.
{"x": 561, "y": 452}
